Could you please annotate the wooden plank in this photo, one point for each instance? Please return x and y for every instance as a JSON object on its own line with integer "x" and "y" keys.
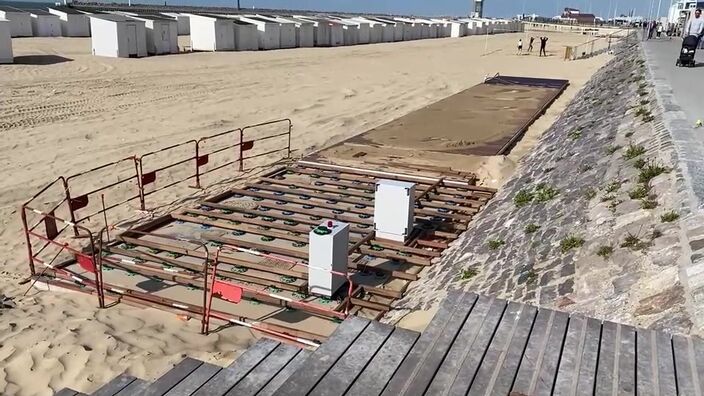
{"x": 374, "y": 377}
{"x": 500, "y": 363}
{"x": 462, "y": 361}
{"x": 167, "y": 381}
{"x": 568, "y": 371}
{"x": 285, "y": 373}
{"x": 605, "y": 379}
{"x": 265, "y": 371}
{"x": 666, "y": 365}
{"x": 626, "y": 384}
{"x": 320, "y": 362}
{"x": 685, "y": 362}
{"x": 698, "y": 346}
{"x": 646, "y": 365}
{"x": 115, "y": 386}
{"x": 551, "y": 355}
{"x": 351, "y": 364}
{"x": 195, "y": 380}
{"x": 538, "y": 367}
{"x": 590, "y": 354}
{"x": 66, "y": 392}
{"x": 224, "y": 380}
{"x": 433, "y": 359}
{"x": 134, "y": 388}
{"x": 406, "y": 373}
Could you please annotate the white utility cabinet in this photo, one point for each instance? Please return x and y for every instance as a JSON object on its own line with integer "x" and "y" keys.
{"x": 394, "y": 202}
{"x": 327, "y": 251}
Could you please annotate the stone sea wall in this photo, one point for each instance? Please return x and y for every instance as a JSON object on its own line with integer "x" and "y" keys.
{"x": 593, "y": 220}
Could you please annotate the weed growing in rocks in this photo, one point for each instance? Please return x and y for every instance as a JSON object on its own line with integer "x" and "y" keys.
{"x": 633, "y": 151}
{"x": 586, "y": 168}
{"x": 655, "y": 234}
{"x": 612, "y": 149}
{"x": 647, "y": 118}
{"x": 523, "y": 198}
{"x": 642, "y": 110}
{"x": 612, "y": 187}
{"x": 649, "y": 171}
{"x": 644, "y": 102}
{"x": 639, "y": 192}
{"x": 496, "y": 243}
{"x": 629, "y": 134}
{"x": 669, "y": 217}
{"x": 531, "y": 228}
{"x": 544, "y": 192}
{"x": 642, "y": 92}
{"x": 589, "y": 193}
{"x": 648, "y": 204}
{"x": 640, "y": 163}
{"x": 531, "y": 277}
{"x": 608, "y": 197}
{"x": 633, "y": 242}
{"x": 571, "y": 242}
{"x": 614, "y": 204}
{"x": 605, "y": 252}
{"x": 574, "y": 135}
{"x": 469, "y": 273}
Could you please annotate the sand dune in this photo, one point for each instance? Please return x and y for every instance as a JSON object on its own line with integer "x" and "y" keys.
{"x": 75, "y": 111}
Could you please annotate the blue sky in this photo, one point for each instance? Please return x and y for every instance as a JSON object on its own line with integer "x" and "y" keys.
{"x": 493, "y": 8}
{"x": 500, "y": 8}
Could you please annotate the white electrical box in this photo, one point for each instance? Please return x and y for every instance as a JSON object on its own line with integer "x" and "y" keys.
{"x": 394, "y": 202}
{"x": 327, "y": 251}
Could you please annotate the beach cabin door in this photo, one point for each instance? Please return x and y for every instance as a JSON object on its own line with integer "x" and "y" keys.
{"x": 165, "y": 45}
{"x": 131, "y": 40}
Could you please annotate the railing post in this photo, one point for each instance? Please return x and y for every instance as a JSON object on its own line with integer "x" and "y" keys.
{"x": 290, "y": 126}
{"x": 241, "y": 159}
{"x": 197, "y": 164}
{"x": 140, "y": 186}
{"x": 70, "y": 208}
{"x": 29, "y": 243}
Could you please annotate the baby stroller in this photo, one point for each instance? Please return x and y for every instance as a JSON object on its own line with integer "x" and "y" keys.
{"x": 689, "y": 48}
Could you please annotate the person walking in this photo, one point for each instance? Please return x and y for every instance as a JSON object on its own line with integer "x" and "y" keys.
{"x": 651, "y": 30}
{"x": 659, "y": 30}
{"x": 543, "y": 45}
{"x": 695, "y": 26}
{"x": 520, "y": 46}
{"x": 530, "y": 44}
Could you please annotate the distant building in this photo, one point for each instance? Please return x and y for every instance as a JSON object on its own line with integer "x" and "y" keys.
{"x": 477, "y": 9}
{"x": 576, "y": 16}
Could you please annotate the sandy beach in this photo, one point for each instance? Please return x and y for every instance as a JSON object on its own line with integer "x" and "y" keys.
{"x": 64, "y": 111}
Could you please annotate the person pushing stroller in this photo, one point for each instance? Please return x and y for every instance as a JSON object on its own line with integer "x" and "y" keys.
{"x": 693, "y": 32}
{"x": 695, "y": 25}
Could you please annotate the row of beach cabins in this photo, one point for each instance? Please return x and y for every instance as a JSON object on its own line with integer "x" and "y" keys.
{"x": 127, "y": 34}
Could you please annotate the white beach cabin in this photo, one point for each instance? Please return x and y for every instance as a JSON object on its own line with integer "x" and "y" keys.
{"x": 211, "y": 33}
{"x": 444, "y": 27}
{"x": 434, "y": 28}
{"x": 5, "y": 42}
{"x": 287, "y": 30}
{"x": 45, "y": 24}
{"x": 73, "y": 22}
{"x": 363, "y": 27}
{"x": 327, "y": 33}
{"x": 162, "y": 34}
{"x": 269, "y": 32}
{"x": 246, "y": 35}
{"x": 20, "y": 21}
{"x": 183, "y": 22}
{"x": 376, "y": 29}
{"x": 458, "y": 29}
{"x": 402, "y": 31}
{"x": 117, "y": 36}
{"x": 350, "y": 31}
{"x": 305, "y": 31}
{"x": 389, "y": 30}
{"x": 416, "y": 30}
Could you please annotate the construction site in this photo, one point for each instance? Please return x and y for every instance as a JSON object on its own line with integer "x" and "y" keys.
{"x": 286, "y": 245}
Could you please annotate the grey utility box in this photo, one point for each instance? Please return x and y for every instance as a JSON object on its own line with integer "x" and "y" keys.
{"x": 394, "y": 202}
{"x": 327, "y": 251}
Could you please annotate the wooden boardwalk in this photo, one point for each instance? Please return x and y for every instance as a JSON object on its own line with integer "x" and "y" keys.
{"x": 474, "y": 345}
